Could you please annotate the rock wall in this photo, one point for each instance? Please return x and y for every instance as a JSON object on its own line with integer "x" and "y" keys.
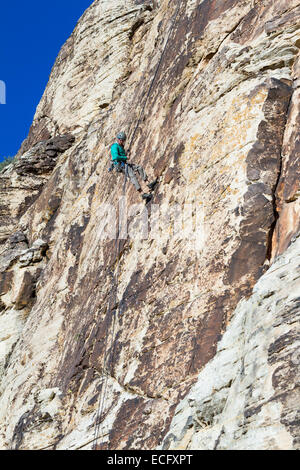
{"x": 105, "y": 341}
{"x": 247, "y": 397}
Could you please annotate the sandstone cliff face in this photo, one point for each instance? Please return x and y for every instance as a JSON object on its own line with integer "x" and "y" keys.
{"x": 157, "y": 341}
{"x": 247, "y": 397}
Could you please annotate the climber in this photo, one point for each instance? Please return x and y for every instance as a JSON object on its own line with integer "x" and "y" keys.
{"x": 120, "y": 163}
{"x": 118, "y": 154}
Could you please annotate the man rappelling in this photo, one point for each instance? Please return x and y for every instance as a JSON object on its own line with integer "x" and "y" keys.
{"x": 121, "y": 165}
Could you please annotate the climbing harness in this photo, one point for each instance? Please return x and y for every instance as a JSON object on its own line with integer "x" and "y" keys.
{"x": 99, "y": 415}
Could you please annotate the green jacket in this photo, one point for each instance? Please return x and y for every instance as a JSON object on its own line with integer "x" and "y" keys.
{"x": 118, "y": 153}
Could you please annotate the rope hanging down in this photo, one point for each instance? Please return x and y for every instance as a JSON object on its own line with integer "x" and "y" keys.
{"x": 99, "y": 415}
{"x": 156, "y": 72}
{"x": 112, "y": 345}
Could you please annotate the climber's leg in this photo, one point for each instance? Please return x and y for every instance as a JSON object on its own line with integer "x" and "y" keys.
{"x": 140, "y": 171}
{"x": 132, "y": 177}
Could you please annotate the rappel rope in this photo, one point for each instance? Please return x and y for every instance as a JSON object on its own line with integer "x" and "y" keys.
{"x": 112, "y": 348}
{"x": 156, "y": 72}
{"x": 100, "y": 407}
{"x": 99, "y": 415}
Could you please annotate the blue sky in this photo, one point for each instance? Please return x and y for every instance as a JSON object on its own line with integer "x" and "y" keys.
{"x": 31, "y": 35}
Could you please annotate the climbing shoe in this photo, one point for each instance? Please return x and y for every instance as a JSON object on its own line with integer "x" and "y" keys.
{"x": 152, "y": 185}
{"x": 147, "y": 197}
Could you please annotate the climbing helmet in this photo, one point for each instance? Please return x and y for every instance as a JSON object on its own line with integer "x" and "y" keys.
{"x": 121, "y": 136}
